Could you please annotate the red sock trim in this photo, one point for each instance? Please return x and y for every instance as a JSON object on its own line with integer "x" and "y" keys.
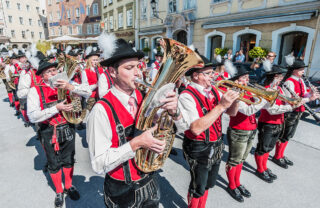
{"x": 277, "y": 154}
{"x": 17, "y": 105}
{"x": 25, "y": 116}
{"x": 203, "y": 200}
{"x": 68, "y": 173}
{"x": 259, "y": 162}
{"x": 284, "y": 145}
{"x": 10, "y": 95}
{"x": 231, "y": 173}
{"x": 238, "y": 174}
{"x": 57, "y": 181}
{"x": 193, "y": 202}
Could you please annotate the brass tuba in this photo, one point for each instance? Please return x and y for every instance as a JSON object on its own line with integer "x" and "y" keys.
{"x": 257, "y": 91}
{"x": 79, "y": 112}
{"x": 177, "y": 60}
{"x": 12, "y": 76}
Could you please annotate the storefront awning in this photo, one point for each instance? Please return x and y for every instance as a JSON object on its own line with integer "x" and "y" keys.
{"x": 151, "y": 31}
{"x": 246, "y": 21}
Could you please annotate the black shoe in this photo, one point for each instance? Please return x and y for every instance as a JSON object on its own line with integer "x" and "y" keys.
{"x": 73, "y": 193}
{"x": 272, "y": 175}
{"x": 58, "y": 201}
{"x": 173, "y": 152}
{"x": 27, "y": 124}
{"x": 280, "y": 162}
{"x": 45, "y": 168}
{"x": 244, "y": 191}
{"x": 17, "y": 113}
{"x": 235, "y": 193}
{"x": 12, "y": 105}
{"x": 264, "y": 176}
{"x": 287, "y": 161}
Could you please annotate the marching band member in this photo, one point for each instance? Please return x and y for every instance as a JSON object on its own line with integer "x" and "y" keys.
{"x": 294, "y": 82}
{"x": 201, "y": 107}
{"x": 240, "y": 134}
{"x": 112, "y": 153}
{"x": 92, "y": 74}
{"x": 270, "y": 125}
{"x": 57, "y": 135}
{"x": 155, "y": 66}
{"x": 220, "y": 72}
{"x": 7, "y": 68}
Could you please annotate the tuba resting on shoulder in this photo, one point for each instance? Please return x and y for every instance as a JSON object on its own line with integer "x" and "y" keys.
{"x": 79, "y": 111}
{"x": 177, "y": 59}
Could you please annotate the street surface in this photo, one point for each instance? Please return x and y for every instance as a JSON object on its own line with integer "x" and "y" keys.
{"x": 25, "y": 185}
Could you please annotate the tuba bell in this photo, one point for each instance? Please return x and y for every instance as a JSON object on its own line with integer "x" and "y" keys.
{"x": 177, "y": 59}
{"x": 79, "y": 111}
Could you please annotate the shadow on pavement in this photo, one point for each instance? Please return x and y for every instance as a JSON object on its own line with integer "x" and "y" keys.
{"x": 247, "y": 167}
{"x": 91, "y": 192}
{"x": 5, "y": 100}
{"x": 310, "y": 120}
{"x": 82, "y": 135}
{"x": 169, "y": 196}
{"x": 179, "y": 158}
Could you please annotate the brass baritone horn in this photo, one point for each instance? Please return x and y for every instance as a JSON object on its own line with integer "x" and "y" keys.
{"x": 258, "y": 92}
{"x": 177, "y": 59}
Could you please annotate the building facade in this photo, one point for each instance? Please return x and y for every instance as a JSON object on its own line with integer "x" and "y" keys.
{"x": 282, "y": 26}
{"x": 118, "y": 17}
{"x": 3, "y": 36}
{"x": 24, "y": 22}
{"x": 77, "y": 18}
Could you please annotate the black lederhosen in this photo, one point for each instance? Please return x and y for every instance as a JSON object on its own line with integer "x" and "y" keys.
{"x": 291, "y": 121}
{"x": 66, "y": 138}
{"x": 267, "y": 137}
{"x": 204, "y": 161}
{"x": 123, "y": 194}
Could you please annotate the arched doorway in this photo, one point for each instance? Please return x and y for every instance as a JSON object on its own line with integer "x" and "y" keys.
{"x": 181, "y": 36}
{"x": 247, "y": 42}
{"x": 155, "y": 45}
{"x": 293, "y": 42}
{"x": 215, "y": 42}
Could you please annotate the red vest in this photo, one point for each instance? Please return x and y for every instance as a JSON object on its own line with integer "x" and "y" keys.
{"x": 215, "y": 128}
{"x": 243, "y": 122}
{"x": 93, "y": 79}
{"x": 50, "y": 95}
{"x": 223, "y": 77}
{"x": 17, "y": 71}
{"x": 126, "y": 120}
{"x": 266, "y": 117}
{"x": 35, "y": 79}
{"x": 299, "y": 90}
{"x": 77, "y": 78}
{"x": 157, "y": 65}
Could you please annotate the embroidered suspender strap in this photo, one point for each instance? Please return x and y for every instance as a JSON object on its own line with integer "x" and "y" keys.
{"x": 122, "y": 139}
{"x": 215, "y": 96}
{"x": 97, "y": 72}
{"x": 204, "y": 111}
{"x": 109, "y": 79}
{"x": 42, "y": 98}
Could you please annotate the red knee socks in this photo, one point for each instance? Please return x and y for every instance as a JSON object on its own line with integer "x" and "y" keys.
{"x": 192, "y": 201}
{"x": 265, "y": 160}
{"x": 57, "y": 181}
{"x": 203, "y": 200}
{"x": 10, "y": 95}
{"x": 17, "y": 105}
{"x": 68, "y": 173}
{"x": 238, "y": 173}
{"x": 24, "y": 114}
{"x": 259, "y": 160}
{"x": 284, "y": 145}
{"x": 280, "y": 147}
{"x": 231, "y": 173}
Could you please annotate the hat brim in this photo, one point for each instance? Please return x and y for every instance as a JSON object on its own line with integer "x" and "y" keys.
{"x": 114, "y": 59}
{"x": 94, "y": 54}
{"x": 46, "y": 66}
{"x": 238, "y": 75}
{"x": 190, "y": 71}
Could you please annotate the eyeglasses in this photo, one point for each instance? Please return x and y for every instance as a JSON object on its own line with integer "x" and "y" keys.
{"x": 51, "y": 71}
{"x": 207, "y": 73}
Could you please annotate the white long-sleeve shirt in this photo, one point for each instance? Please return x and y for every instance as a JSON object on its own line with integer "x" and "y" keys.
{"x": 84, "y": 79}
{"x": 103, "y": 85}
{"x": 8, "y": 68}
{"x": 24, "y": 86}
{"x": 99, "y": 134}
{"x": 36, "y": 114}
{"x": 290, "y": 85}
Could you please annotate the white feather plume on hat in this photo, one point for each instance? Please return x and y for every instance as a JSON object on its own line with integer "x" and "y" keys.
{"x": 33, "y": 50}
{"x": 155, "y": 50}
{"x": 10, "y": 53}
{"x": 230, "y": 68}
{"x": 107, "y": 43}
{"x": 23, "y": 50}
{"x": 28, "y": 55}
{"x": 48, "y": 52}
{"x": 192, "y": 47}
{"x": 219, "y": 58}
{"x": 68, "y": 49}
{"x": 267, "y": 66}
{"x": 34, "y": 62}
{"x": 15, "y": 50}
{"x": 94, "y": 48}
{"x": 289, "y": 59}
{"x": 88, "y": 50}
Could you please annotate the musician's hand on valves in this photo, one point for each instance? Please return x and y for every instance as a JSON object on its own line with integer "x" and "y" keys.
{"x": 64, "y": 107}
{"x": 228, "y": 98}
{"x": 62, "y": 84}
{"x": 314, "y": 96}
{"x": 170, "y": 103}
{"x": 146, "y": 140}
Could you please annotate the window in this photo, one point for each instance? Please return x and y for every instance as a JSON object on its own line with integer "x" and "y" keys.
{"x": 28, "y": 8}
{"x": 57, "y": 1}
{"x": 39, "y": 23}
{"x": 49, "y": 2}
{"x": 88, "y": 10}
{"x": 21, "y": 20}
{"x": 40, "y": 35}
{"x": 23, "y": 33}
{"x": 189, "y": 4}
{"x": 217, "y": 1}
{"x": 1, "y": 31}
{"x": 96, "y": 28}
{"x": 37, "y": 8}
{"x": 143, "y": 9}
{"x": 79, "y": 30}
{"x": 32, "y": 34}
{"x": 111, "y": 22}
{"x": 70, "y": 30}
{"x": 129, "y": 18}
{"x": 30, "y": 21}
{"x": 58, "y": 15}
{"x": 106, "y": 24}
{"x": 77, "y": 12}
{"x": 120, "y": 20}
{"x": 68, "y": 14}
{"x": 18, "y": 6}
{"x": 8, "y": 5}
{"x": 50, "y": 16}
{"x": 13, "y": 34}
{"x": 10, "y": 19}
{"x": 89, "y": 29}
{"x": 172, "y": 6}
{"x": 60, "y": 31}
{"x": 45, "y": 25}
{"x": 52, "y": 32}
{"x": 95, "y": 9}
{"x": 110, "y": 1}
{"x": 105, "y": 2}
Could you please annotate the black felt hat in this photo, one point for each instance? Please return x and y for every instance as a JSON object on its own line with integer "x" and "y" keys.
{"x": 44, "y": 64}
{"x": 4, "y": 50}
{"x": 20, "y": 54}
{"x": 297, "y": 64}
{"x": 123, "y": 51}
{"x": 241, "y": 70}
{"x": 14, "y": 56}
{"x": 92, "y": 51}
{"x": 206, "y": 61}
{"x": 276, "y": 69}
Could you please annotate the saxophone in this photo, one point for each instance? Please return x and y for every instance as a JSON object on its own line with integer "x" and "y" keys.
{"x": 177, "y": 59}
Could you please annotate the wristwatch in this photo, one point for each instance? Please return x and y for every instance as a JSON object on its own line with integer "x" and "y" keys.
{"x": 176, "y": 115}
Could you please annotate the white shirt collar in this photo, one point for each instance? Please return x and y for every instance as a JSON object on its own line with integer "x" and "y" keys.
{"x": 198, "y": 87}
{"x": 123, "y": 97}
{"x": 295, "y": 77}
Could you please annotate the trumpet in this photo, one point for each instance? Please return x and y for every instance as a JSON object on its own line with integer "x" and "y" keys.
{"x": 258, "y": 92}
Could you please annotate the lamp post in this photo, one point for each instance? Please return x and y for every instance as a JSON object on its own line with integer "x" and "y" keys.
{"x": 155, "y": 13}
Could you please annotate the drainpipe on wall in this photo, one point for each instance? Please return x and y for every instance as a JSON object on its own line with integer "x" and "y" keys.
{"x": 137, "y": 26}
{"x": 313, "y": 45}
